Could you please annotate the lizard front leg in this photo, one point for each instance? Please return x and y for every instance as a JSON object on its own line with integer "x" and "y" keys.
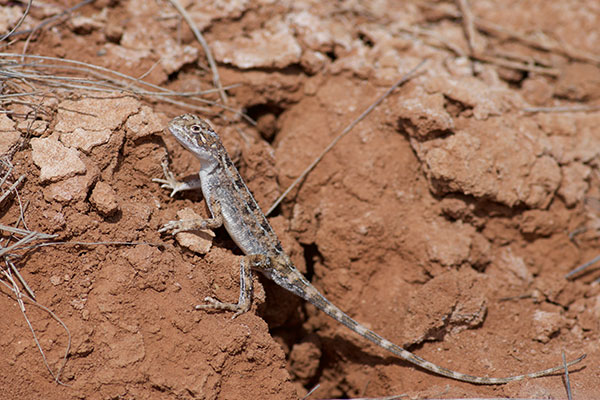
{"x": 249, "y": 262}
{"x": 170, "y": 182}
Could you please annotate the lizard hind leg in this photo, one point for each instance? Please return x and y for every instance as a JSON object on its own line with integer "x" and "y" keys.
{"x": 245, "y": 300}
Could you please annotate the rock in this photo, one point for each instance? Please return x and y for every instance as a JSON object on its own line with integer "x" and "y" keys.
{"x": 65, "y": 191}
{"x": 84, "y": 139}
{"x": 197, "y": 241}
{"x": 574, "y": 184}
{"x": 547, "y": 324}
{"x": 95, "y": 114}
{"x": 488, "y": 165}
{"x": 104, "y": 199}
{"x": 144, "y": 123}
{"x": 9, "y": 137}
{"x": 273, "y": 47}
{"x": 56, "y": 161}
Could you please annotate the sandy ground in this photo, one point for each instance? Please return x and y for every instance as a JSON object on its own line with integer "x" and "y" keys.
{"x": 445, "y": 221}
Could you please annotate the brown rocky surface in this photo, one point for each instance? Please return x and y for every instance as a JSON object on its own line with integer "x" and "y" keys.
{"x": 445, "y": 221}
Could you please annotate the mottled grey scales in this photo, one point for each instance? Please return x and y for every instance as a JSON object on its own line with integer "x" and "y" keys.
{"x": 231, "y": 204}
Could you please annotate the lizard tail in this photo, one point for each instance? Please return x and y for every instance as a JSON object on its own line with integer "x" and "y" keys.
{"x": 316, "y": 298}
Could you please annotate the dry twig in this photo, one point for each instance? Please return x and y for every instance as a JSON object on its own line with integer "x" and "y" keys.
{"x": 468, "y": 27}
{"x": 19, "y": 298}
{"x": 582, "y": 267}
{"x": 11, "y": 274}
{"x": 567, "y": 381}
{"x": 98, "y": 79}
{"x": 200, "y": 38}
{"x": 561, "y": 109}
{"x": 19, "y": 22}
{"x": 346, "y": 130}
{"x": 540, "y": 42}
{"x": 51, "y": 19}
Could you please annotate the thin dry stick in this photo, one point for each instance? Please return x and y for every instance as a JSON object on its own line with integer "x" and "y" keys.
{"x": 393, "y": 397}
{"x": 34, "y": 236}
{"x": 22, "y": 94}
{"x": 93, "y": 69}
{"x": 529, "y": 59}
{"x": 116, "y": 243}
{"x": 31, "y": 236}
{"x": 405, "y": 78}
{"x": 478, "y": 56}
{"x": 145, "y": 74}
{"x": 416, "y": 31}
{"x": 468, "y": 26}
{"x": 20, "y": 278}
{"x": 26, "y": 232}
{"x": 561, "y": 109}
{"x": 582, "y": 267}
{"x": 22, "y": 209}
{"x": 200, "y": 38}
{"x": 5, "y": 252}
{"x": 550, "y": 47}
{"x": 18, "y": 23}
{"x": 19, "y": 298}
{"x": 516, "y": 65}
{"x": 47, "y": 21}
{"x": 187, "y": 94}
{"x": 311, "y": 391}
{"x": 11, "y": 188}
{"x": 67, "y": 349}
{"x": 12, "y": 271}
{"x": 519, "y": 297}
{"x": 567, "y": 382}
{"x": 7, "y": 165}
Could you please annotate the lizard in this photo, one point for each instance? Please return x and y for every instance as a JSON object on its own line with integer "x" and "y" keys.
{"x": 232, "y": 205}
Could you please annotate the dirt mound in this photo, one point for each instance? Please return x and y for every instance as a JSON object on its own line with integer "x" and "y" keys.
{"x": 445, "y": 221}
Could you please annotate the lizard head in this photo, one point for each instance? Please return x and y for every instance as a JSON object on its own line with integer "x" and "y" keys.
{"x": 197, "y": 136}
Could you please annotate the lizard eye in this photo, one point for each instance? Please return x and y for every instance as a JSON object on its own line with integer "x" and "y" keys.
{"x": 196, "y": 128}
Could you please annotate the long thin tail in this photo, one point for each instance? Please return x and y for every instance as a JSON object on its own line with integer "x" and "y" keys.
{"x": 316, "y": 298}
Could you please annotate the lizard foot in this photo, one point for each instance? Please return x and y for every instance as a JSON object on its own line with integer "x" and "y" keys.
{"x": 214, "y": 304}
{"x": 169, "y": 182}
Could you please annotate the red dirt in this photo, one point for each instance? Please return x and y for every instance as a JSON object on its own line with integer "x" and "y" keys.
{"x": 441, "y": 221}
